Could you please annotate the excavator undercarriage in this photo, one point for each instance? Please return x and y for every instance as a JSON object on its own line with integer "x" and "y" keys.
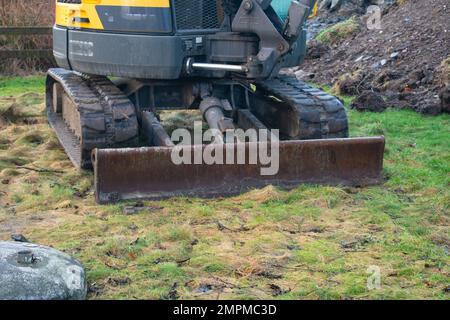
{"x": 231, "y": 75}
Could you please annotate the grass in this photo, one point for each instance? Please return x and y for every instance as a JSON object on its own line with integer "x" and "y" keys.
{"x": 18, "y": 85}
{"x": 313, "y": 242}
{"x": 339, "y": 31}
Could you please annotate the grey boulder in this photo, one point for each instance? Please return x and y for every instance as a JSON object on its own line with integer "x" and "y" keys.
{"x": 34, "y": 272}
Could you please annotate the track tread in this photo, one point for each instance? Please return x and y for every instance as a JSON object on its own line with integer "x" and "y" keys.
{"x": 320, "y": 115}
{"x": 108, "y": 118}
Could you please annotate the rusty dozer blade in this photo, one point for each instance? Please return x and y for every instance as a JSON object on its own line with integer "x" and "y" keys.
{"x": 150, "y": 173}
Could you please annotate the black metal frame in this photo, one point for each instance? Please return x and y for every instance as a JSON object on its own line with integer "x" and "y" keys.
{"x": 188, "y": 31}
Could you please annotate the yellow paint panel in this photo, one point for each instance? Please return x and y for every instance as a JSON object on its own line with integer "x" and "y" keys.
{"x": 314, "y": 11}
{"x": 66, "y": 12}
{"x": 131, "y": 3}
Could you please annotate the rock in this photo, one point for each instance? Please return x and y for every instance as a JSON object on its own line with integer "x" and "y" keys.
{"x": 289, "y": 71}
{"x": 394, "y": 55}
{"x": 375, "y": 65}
{"x": 304, "y": 76}
{"x": 34, "y": 272}
{"x": 444, "y": 96}
{"x": 360, "y": 58}
{"x": 369, "y": 101}
{"x": 131, "y": 210}
{"x": 330, "y": 5}
{"x": 19, "y": 238}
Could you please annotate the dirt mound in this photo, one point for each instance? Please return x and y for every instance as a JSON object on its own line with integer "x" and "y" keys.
{"x": 406, "y": 61}
{"x": 369, "y": 100}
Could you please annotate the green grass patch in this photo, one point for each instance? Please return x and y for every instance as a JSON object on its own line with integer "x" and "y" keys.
{"x": 339, "y": 32}
{"x": 10, "y": 86}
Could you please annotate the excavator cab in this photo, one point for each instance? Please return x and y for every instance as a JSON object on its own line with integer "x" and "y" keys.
{"x": 120, "y": 62}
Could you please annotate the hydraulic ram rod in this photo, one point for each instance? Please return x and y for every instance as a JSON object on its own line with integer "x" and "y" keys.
{"x": 191, "y": 65}
{"x": 219, "y": 67}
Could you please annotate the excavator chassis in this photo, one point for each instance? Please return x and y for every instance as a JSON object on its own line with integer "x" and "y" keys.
{"x": 106, "y": 126}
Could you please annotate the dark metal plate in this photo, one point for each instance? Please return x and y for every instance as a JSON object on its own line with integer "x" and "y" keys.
{"x": 149, "y": 173}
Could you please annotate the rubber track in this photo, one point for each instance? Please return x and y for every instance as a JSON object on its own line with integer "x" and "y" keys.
{"x": 320, "y": 115}
{"x": 108, "y": 118}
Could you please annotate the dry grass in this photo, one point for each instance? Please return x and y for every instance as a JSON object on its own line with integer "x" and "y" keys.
{"x": 25, "y": 13}
{"x": 443, "y": 73}
{"x": 314, "y": 242}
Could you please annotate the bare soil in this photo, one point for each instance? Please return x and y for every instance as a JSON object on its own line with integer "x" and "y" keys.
{"x": 407, "y": 60}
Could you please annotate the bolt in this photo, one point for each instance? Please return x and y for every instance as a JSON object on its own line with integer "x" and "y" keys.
{"x": 248, "y": 5}
{"x": 25, "y": 257}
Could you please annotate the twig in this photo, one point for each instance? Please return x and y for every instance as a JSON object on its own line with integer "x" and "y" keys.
{"x": 223, "y": 227}
{"x": 226, "y": 283}
{"x": 361, "y": 82}
{"x": 40, "y": 170}
{"x": 180, "y": 262}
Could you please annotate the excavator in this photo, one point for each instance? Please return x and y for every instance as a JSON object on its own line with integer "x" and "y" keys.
{"x": 120, "y": 62}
